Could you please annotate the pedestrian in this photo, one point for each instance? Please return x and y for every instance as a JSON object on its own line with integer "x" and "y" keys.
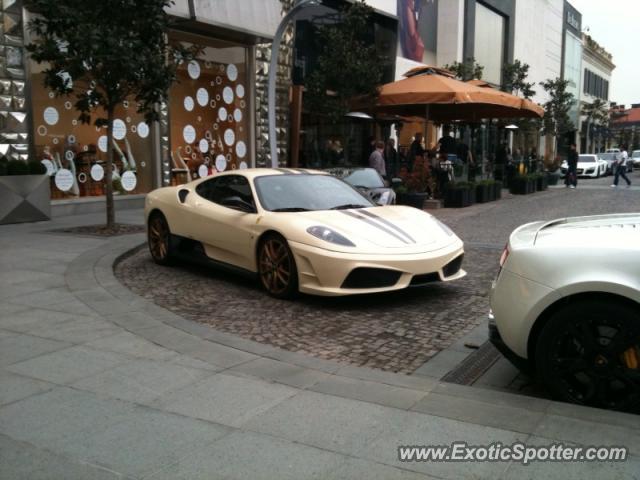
{"x": 391, "y": 158}
{"x": 622, "y": 168}
{"x": 447, "y": 144}
{"x": 376, "y": 159}
{"x": 416, "y": 149}
{"x": 571, "y": 179}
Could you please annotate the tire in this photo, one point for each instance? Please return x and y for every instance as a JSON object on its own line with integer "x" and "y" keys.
{"x": 159, "y": 239}
{"x": 589, "y": 353}
{"x": 277, "y": 267}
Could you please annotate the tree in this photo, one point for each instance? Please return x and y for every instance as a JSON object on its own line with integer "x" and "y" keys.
{"x": 514, "y": 76}
{"x": 104, "y": 53}
{"x": 348, "y": 63}
{"x": 597, "y": 113}
{"x": 468, "y": 70}
{"x": 556, "y": 121}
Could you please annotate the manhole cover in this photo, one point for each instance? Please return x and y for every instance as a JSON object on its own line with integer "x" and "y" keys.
{"x": 474, "y": 366}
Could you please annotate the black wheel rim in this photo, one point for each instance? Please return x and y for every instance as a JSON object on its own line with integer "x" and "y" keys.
{"x": 158, "y": 238}
{"x": 275, "y": 266}
{"x": 596, "y": 362}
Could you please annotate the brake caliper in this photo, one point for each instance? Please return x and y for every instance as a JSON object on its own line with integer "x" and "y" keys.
{"x": 630, "y": 357}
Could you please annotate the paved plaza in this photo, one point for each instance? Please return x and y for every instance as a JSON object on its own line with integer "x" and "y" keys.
{"x": 97, "y": 381}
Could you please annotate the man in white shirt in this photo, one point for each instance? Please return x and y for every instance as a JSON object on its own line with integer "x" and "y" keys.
{"x": 622, "y": 168}
{"x": 376, "y": 159}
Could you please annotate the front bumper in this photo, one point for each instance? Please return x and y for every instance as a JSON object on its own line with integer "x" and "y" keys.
{"x": 323, "y": 272}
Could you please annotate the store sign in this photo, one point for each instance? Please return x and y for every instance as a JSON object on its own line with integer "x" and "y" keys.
{"x": 64, "y": 180}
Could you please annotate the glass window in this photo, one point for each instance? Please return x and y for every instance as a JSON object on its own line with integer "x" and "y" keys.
{"x": 586, "y": 158}
{"x": 75, "y": 153}
{"x": 362, "y": 177}
{"x": 220, "y": 188}
{"x": 307, "y": 192}
{"x": 209, "y": 109}
{"x": 489, "y": 43}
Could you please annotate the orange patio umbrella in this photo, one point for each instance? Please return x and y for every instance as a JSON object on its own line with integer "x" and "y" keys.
{"x": 527, "y": 105}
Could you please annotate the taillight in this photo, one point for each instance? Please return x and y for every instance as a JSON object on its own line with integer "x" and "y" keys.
{"x": 504, "y": 256}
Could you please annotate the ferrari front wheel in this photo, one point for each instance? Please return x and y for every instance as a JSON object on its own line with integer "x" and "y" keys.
{"x": 159, "y": 239}
{"x": 277, "y": 267}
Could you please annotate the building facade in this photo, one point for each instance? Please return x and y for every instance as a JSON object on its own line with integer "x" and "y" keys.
{"x": 572, "y": 65}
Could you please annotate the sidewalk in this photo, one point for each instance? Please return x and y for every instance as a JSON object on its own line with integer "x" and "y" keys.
{"x": 96, "y": 382}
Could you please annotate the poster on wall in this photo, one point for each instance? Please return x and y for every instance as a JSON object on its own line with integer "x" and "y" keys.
{"x": 418, "y": 30}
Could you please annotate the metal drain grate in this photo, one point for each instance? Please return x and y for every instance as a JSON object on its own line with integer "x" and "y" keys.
{"x": 474, "y": 366}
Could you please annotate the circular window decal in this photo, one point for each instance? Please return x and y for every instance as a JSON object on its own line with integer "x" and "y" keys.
{"x": 51, "y": 116}
{"x": 222, "y": 68}
{"x": 134, "y": 129}
{"x": 243, "y": 165}
{"x": 69, "y": 155}
{"x": 221, "y": 163}
{"x": 202, "y": 96}
{"x": 71, "y": 139}
{"x": 74, "y": 122}
{"x": 55, "y": 141}
{"x": 42, "y": 130}
{"x": 230, "y": 118}
{"x": 64, "y": 180}
{"x": 194, "y": 69}
{"x": 52, "y": 95}
{"x": 102, "y": 143}
{"x": 218, "y": 80}
{"x": 242, "y": 104}
{"x": 208, "y": 135}
{"x": 188, "y": 103}
{"x": 128, "y": 119}
{"x": 82, "y": 177}
{"x": 222, "y": 114}
{"x": 240, "y": 91}
{"x": 203, "y": 171}
{"x": 48, "y": 164}
{"x": 68, "y": 105}
{"x": 97, "y": 173}
{"x": 187, "y": 149}
{"x": 125, "y": 104}
{"x": 85, "y": 148}
{"x": 207, "y": 64}
{"x": 241, "y": 149}
{"x": 193, "y": 156}
{"x": 143, "y": 130}
{"x": 212, "y": 103}
{"x": 227, "y": 94}
{"x": 218, "y": 97}
{"x": 232, "y": 72}
{"x": 128, "y": 180}
{"x": 215, "y": 126}
{"x": 189, "y": 134}
{"x": 229, "y": 137}
{"x": 237, "y": 114}
{"x": 203, "y": 146}
{"x": 119, "y": 129}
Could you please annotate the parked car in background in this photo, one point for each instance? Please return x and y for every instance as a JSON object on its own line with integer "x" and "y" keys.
{"x": 566, "y": 306}
{"x": 613, "y": 150}
{"x": 589, "y": 165}
{"x": 611, "y": 158}
{"x": 635, "y": 157}
{"x": 368, "y": 181}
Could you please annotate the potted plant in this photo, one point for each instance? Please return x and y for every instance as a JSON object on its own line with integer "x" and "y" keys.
{"x": 457, "y": 195}
{"x": 24, "y": 192}
{"x": 553, "y": 177}
{"x": 416, "y": 186}
{"x": 520, "y": 185}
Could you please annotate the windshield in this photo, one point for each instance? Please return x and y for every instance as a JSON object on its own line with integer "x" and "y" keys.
{"x": 307, "y": 192}
{"x": 608, "y": 156}
{"x": 635, "y": 154}
{"x": 586, "y": 159}
{"x": 362, "y": 177}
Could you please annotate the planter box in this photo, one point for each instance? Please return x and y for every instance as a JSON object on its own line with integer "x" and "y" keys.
{"x": 542, "y": 183}
{"x": 412, "y": 199}
{"x": 497, "y": 190}
{"x": 522, "y": 186}
{"x": 484, "y": 193}
{"x": 457, "y": 198}
{"x": 24, "y": 198}
{"x": 552, "y": 179}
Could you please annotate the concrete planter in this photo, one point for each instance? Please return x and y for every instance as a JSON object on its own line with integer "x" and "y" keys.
{"x": 24, "y": 198}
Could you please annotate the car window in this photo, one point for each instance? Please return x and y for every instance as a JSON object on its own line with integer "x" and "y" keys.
{"x": 636, "y": 154}
{"x": 219, "y": 188}
{"x": 586, "y": 158}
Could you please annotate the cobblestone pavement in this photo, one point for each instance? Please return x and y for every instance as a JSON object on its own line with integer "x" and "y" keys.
{"x": 396, "y": 332}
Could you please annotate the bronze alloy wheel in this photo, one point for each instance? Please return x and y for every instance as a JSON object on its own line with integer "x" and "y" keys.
{"x": 159, "y": 238}
{"x": 589, "y": 353}
{"x": 277, "y": 267}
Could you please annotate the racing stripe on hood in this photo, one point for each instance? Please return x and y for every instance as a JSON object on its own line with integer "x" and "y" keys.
{"x": 388, "y": 224}
{"x": 377, "y": 225}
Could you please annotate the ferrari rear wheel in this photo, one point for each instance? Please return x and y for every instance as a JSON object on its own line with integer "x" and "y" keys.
{"x": 277, "y": 267}
{"x": 159, "y": 239}
{"x": 589, "y": 353}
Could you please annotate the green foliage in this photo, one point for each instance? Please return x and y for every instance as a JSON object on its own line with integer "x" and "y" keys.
{"x": 556, "y": 119}
{"x": 597, "y": 112}
{"x": 348, "y": 64}
{"x": 467, "y": 70}
{"x": 17, "y": 167}
{"x": 36, "y": 168}
{"x": 514, "y": 79}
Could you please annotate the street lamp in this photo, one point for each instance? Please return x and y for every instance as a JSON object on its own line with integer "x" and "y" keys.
{"x": 273, "y": 68}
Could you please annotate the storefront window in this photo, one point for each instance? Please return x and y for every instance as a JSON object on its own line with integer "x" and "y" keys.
{"x": 209, "y": 111}
{"x": 489, "y": 43}
{"x": 75, "y": 153}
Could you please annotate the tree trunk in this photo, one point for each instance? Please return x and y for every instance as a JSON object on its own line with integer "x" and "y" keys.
{"x": 111, "y": 214}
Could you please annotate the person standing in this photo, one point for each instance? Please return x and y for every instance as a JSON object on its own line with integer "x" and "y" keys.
{"x": 571, "y": 179}
{"x": 416, "y": 149}
{"x": 447, "y": 144}
{"x": 391, "y": 158}
{"x": 621, "y": 171}
{"x": 376, "y": 159}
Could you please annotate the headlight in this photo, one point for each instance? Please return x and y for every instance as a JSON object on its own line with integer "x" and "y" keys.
{"x": 331, "y": 236}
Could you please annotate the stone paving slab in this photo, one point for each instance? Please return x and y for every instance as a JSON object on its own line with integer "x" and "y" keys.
{"x": 18, "y": 348}
{"x": 16, "y": 387}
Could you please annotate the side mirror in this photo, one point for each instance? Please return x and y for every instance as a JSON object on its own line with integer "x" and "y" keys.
{"x": 237, "y": 203}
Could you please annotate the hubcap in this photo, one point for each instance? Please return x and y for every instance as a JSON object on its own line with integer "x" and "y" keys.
{"x": 275, "y": 266}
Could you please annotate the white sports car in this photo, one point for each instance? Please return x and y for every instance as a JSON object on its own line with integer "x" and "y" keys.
{"x": 589, "y": 165}
{"x": 568, "y": 308}
{"x": 301, "y": 230}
